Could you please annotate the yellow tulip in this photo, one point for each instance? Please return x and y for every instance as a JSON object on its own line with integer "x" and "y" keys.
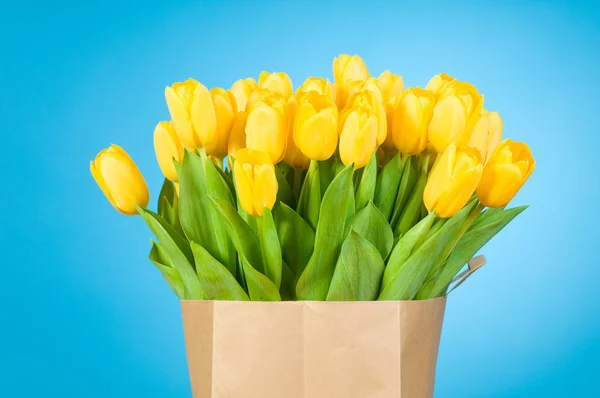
{"x": 120, "y": 180}
{"x": 391, "y": 85}
{"x": 315, "y": 128}
{"x": 255, "y": 180}
{"x": 258, "y": 94}
{"x": 293, "y": 156}
{"x": 370, "y": 84}
{"x": 181, "y": 99}
{"x": 485, "y": 134}
{"x": 346, "y": 69}
{"x": 452, "y": 180}
{"x": 317, "y": 84}
{"x": 358, "y": 139}
{"x": 506, "y": 171}
{"x": 277, "y": 82}
{"x": 371, "y": 100}
{"x": 411, "y": 120}
{"x": 168, "y": 149}
{"x": 439, "y": 82}
{"x": 237, "y": 138}
{"x": 267, "y": 125}
{"x": 457, "y": 108}
{"x": 241, "y": 90}
{"x": 223, "y": 106}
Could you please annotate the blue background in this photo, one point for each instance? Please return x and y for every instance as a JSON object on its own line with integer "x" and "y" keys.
{"x": 85, "y": 314}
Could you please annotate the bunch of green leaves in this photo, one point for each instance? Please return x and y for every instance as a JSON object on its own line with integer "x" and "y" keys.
{"x": 334, "y": 233}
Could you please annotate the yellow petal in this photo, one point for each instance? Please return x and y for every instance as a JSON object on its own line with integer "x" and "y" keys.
{"x": 499, "y": 184}
{"x": 459, "y": 192}
{"x": 204, "y": 118}
{"x": 168, "y": 149}
{"x": 243, "y": 185}
{"x": 266, "y": 130}
{"x": 180, "y": 116}
{"x": 318, "y": 135}
{"x": 265, "y": 188}
{"x": 448, "y": 122}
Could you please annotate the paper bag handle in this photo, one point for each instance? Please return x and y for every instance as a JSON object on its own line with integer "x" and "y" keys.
{"x": 474, "y": 264}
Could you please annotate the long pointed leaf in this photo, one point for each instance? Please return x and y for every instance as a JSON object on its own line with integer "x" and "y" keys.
{"x": 310, "y": 197}
{"x": 358, "y": 271}
{"x": 260, "y": 288}
{"x": 159, "y": 258}
{"x": 372, "y": 225}
{"x": 296, "y": 237}
{"x": 314, "y": 281}
{"x": 270, "y": 248}
{"x": 216, "y": 280}
{"x": 388, "y": 182}
{"x": 367, "y": 184}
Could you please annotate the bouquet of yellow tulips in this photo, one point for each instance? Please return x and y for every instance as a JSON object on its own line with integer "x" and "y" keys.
{"x": 354, "y": 190}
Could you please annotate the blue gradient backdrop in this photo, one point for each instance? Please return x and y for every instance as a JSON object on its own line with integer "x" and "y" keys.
{"x": 83, "y": 313}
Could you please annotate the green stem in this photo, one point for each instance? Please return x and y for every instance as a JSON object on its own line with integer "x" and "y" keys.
{"x": 297, "y": 183}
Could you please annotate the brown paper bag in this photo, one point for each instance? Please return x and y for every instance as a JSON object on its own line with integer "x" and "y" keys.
{"x": 301, "y": 349}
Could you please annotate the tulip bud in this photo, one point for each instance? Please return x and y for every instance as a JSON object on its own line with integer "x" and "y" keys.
{"x": 120, "y": 180}
{"x": 506, "y": 171}
{"x": 452, "y": 181}
{"x": 411, "y": 120}
{"x": 168, "y": 149}
{"x": 315, "y": 128}
{"x": 222, "y": 105}
{"x": 241, "y": 90}
{"x": 370, "y": 84}
{"x": 458, "y": 106}
{"x": 317, "y": 84}
{"x": 266, "y": 128}
{"x": 485, "y": 135}
{"x": 237, "y": 138}
{"x": 438, "y": 83}
{"x": 255, "y": 181}
{"x": 277, "y": 83}
{"x": 371, "y": 100}
{"x": 181, "y": 99}
{"x": 293, "y": 156}
{"x": 347, "y": 68}
{"x": 358, "y": 139}
{"x": 392, "y": 87}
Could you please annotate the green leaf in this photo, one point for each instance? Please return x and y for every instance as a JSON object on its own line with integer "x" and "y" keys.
{"x": 405, "y": 247}
{"x": 285, "y": 193}
{"x": 372, "y": 225}
{"x": 310, "y": 196}
{"x": 170, "y": 274}
{"x": 479, "y": 234}
{"x": 177, "y": 250}
{"x": 216, "y": 280}
{"x": 405, "y": 283}
{"x": 199, "y": 178}
{"x": 367, "y": 184}
{"x": 260, "y": 288}
{"x": 412, "y": 210}
{"x": 242, "y": 236}
{"x": 358, "y": 271}
{"x": 410, "y": 174}
{"x": 326, "y": 173}
{"x": 296, "y": 237}
{"x": 227, "y": 179}
{"x": 314, "y": 281}
{"x": 218, "y": 188}
{"x": 167, "y": 192}
{"x": 270, "y": 248}
{"x": 288, "y": 284}
{"x": 388, "y": 182}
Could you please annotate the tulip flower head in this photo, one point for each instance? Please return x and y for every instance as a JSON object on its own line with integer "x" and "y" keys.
{"x": 452, "y": 180}
{"x": 120, "y": 180}
{"x": 317, "y": 84}
{"x": 255, "y": 180}
{"x": 267, "y": 127}
{"x": 485, "y": 134}
{"x": 411, "y": 120}
{"x": 367, "y": 98}
{"x": 277, "y": 83}
{"x": 168, "y": 149}
{"x": 457, "y": 108}
{"x": 438, "y": 83}
{"x": 293, "y": 156}
{"x": 183, "y": 101}
{"x": 237, "y": 138}
{"x": 241, "y": 90}
{"x": 506, "y": 171}
{"x": 315, "y": 127}
{"x": 358, "y": 139}
{"x": 346, "y": 69}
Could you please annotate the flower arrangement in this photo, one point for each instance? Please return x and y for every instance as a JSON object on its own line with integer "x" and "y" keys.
{"x": 354, "y": 190}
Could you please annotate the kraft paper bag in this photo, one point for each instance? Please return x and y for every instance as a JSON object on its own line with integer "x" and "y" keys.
{"x": 304, "y": 349}
{"x": 312, "y": 349}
